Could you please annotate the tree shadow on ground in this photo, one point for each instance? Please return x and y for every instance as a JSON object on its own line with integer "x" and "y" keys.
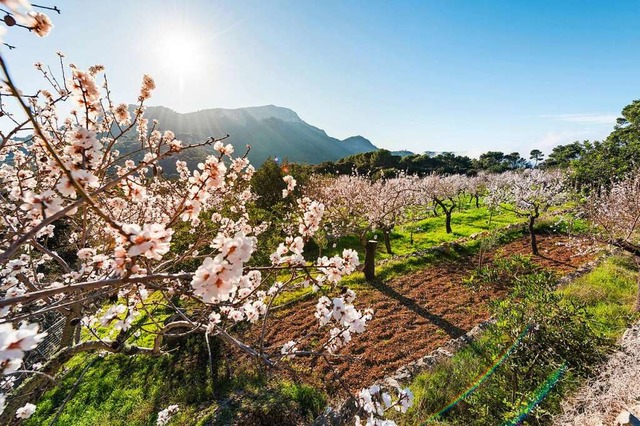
{"x": 449, "y": 328}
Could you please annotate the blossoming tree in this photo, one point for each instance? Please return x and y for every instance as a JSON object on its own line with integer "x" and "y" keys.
{"x": 389, "y": 200}
{"x": 476, "y": 186}
{"x": 528, "y": 194}
{"x": 616, "y": 212}
{"x": 357, "y": 205}
{"x": 84, "y": 222}
{"x": 443, "y": 192}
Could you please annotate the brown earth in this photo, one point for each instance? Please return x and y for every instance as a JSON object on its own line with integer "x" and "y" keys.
{"x": 414, "y": 314}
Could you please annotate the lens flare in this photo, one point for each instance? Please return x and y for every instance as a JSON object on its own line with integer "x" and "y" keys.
{"x": 540, "y": 394}
{"x": 484, "y": 376}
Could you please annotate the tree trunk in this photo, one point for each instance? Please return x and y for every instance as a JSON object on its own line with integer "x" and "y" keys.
{"x": 534, "y": 243}
{"x": 477, "y": 201}
{"x": 370, "y": 260}
{"x": 447, "y": 212}
{"x": 76, "y": 340}
{"x": 71, "y": 324}
{"x": 448, "y": 220}
{"x": 387, "y": 241}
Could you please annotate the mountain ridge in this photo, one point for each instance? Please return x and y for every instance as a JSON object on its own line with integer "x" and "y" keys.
{"x": 270, "y": 130}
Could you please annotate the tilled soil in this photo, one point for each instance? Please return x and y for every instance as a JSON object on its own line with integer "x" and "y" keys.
{"x": 414, "y": 314}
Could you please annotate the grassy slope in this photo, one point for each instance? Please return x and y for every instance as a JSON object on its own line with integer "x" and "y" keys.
{"x": 122, "y": 390}
{"x": 431, "y": 231}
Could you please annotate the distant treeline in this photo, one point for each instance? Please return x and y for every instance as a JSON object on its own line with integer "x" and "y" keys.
{"x": 591, "y": 165}
{"x": 384, "y": 163}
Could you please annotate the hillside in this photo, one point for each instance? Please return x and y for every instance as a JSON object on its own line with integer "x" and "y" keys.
{"x": 271, "y": 131}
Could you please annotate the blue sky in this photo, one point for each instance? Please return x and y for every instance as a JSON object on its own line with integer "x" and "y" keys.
{"x": 464, "y": 76}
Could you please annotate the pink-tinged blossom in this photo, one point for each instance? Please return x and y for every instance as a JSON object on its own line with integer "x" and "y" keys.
{"x": 191, "y": 210}
{"x": 349, "y": 295}
{"x": 212, "y": 281}
{"x": 86, "y": 253}
{"x": 250, "y": 312}
{"x": 85, "y": 91}
{"x": 65, "y": 187}
{"x": 136, "y": 192}
{"x": 236, "y": 315}
{"x": 175, "y": 145}
{"x": 121, "y": 113}
{"x": 288, "y": 349}
{"x": 212, "y": 175}
{"x": 10, "y": 366}
{"x": 84, "y": 139}
{"x": 346, "y": 318}
{"x": 95, "y": 69}
{"x": 42, "y": 26}
{"x": 14, "y": 343}
{"x": 48, "y": 203}
{"x": 147, "y": 86}
{"x": 126, "y": 229}
{"x": 251, "y": 280}
{"x": 14, "y": 291}
{"x": 25, "y": 411}
{"x": 85, "y": 178}
{"x": 151, "y": 241}
{"x": 290, "y": 181}
{"x": 120, "y": 260}
{"x": 236, "y": 250}
{"x": 339, "y": 338}
{"x": 336, "y": 267}
{"x": 112, "y": 313}
{"x": 293, "y": 245}
{"x": 323, "y": 310}
{"x": 165, "y": 415}
{"x": 310, "y": 221}
{"x": 222, "y": 148}
{"x": 291, "y": 184}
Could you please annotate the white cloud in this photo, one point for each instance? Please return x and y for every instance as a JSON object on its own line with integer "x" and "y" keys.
{"x": 554, "y": 138}
{"x": 607, "y": 118}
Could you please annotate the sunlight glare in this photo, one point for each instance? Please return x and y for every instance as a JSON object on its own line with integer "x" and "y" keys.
{"x": 181, "y": 53}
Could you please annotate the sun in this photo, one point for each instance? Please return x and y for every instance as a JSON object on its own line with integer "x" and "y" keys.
{"x": 181, "y": 53}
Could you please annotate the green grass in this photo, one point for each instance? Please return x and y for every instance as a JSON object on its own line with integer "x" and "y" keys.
{"x": 607, "y": 294}
{"x": 430, "y": 232}
{"x": 398, "y": 268}
{"x": 118, "y": 389}
{"x": 124, "y": 390}
{"x": 144, "y": 327}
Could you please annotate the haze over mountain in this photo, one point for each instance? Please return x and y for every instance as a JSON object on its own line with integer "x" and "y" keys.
{"x": 271, "y": 131}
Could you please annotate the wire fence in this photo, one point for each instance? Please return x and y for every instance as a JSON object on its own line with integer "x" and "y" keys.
{"x": 45, "y": 349}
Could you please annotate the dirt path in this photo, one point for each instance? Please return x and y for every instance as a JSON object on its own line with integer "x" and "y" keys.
{"x": 416, "y": 313}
